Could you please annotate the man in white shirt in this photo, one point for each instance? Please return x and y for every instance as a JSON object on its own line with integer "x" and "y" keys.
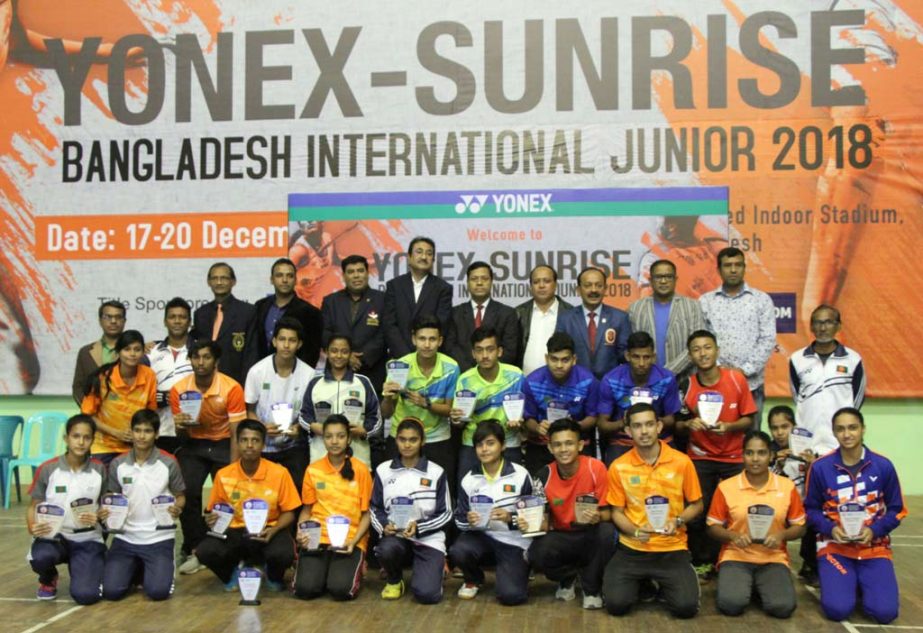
{"x": 274, "y": 392}
{"x": 169, "y": 359}
{"x": 538, "y": 316}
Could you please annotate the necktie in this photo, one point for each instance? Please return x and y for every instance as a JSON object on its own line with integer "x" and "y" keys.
{"x": 591, "y": 332}
{"x": 478, "y": 316}
{"x": 219, "y": 318}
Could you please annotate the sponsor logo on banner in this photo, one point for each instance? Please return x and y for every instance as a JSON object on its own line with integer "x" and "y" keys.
{"x": 786, "y": 310}
{"x": 505, "y": 203}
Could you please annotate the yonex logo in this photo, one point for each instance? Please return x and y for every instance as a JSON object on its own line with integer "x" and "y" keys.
{"x": 472, "y": 203}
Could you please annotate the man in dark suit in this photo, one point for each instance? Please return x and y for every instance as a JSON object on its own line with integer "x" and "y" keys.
{"x": 356, "y": 311}
{"x": 412, "y": 294}
{"x": 481, "y": 311}
{"x": 283, "y": 302}
{"x": 538, "y": 316}
{"x": 228, "y": 321}
{"x": 600, "y": 332}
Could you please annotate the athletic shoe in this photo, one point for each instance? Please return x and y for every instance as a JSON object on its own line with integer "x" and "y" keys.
{"x": 566, "y": 590}
{"x": 49, "y": 591}
{"x": 393, "y": 591}
{"x": 592, "y": 602}
{"x": 468, "y": 591}
{"x": 704, "y": 572}
{"x": 809, "y": 577}
{"x": 231, "y": 585}
{"x": 191, "y": 565}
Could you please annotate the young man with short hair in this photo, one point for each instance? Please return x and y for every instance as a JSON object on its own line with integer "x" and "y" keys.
{"x": 205, "y": 442}
{"x": 581, "y": 536}
{"x": 284, "y": 303}
{"x": 641, "y": 379}
{"x": 427, "y": 395}
{"x": 275, "y": 387}
{"x": 252, "y": 477}
{"x": 169, "y": 359}
{"x": 143, "y": 474}
{"x": 715, "y": 449}
{"x": 848, "y": 564}
{"x": 654, "y": 474}
{"x": 566, "y": 384}
{"x": 490, "y": 380}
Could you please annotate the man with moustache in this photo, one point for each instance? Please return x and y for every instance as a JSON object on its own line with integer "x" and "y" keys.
{"x": 227, "y": 321}
{"x": 538, "y": 317}
{"x": 357, "y": 310}
{"x": 669, "y": 318}
{"x": 744, "y": 320}
{"x": 169, "y": 359}
{"x": 600, "y": 332}
{"x": 283, "y": 302}
{"x": 481, "y": 310}
{"x": 413, "y": 294}
{"x": 111, "y": 321}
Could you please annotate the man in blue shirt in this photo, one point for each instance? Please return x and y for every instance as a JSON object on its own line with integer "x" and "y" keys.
{"x": 640, "y": 380}
{"x": 563, "y": 385}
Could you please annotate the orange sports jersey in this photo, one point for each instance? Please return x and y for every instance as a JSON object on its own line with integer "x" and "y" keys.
{"x": 730, "y": 507}
{"x": 115, "y": 406}
{"x": 330, "y": 494}
{"x": 222, "y": 403}
{"x": 271, "y": 482}
{"x": 632, "y": 480}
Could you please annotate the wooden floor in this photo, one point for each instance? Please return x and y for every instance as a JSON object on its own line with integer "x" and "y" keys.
{"x": 200, "y": 604}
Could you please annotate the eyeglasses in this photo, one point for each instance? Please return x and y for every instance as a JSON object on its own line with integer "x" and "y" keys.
{"x": 663, "y": 277}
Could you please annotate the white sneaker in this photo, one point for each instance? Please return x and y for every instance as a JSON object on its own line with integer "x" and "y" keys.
{"x": 592, "y": 602}
{"x": 468, "y": 591}
{"x": 191, "y": 565}
{"x": 566, "y": 592}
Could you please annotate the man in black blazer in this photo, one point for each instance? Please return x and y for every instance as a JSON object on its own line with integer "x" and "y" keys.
{"x": 356, "y": 311}
{"x": 283, "y": 302}
{"x": 481, "y": 311}
{"x": 228, "y": 321}
{"x": 412, "y": 294}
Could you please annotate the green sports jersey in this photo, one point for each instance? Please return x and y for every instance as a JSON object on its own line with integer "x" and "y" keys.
{"x": 439, "y": 387}
{"x": 489, "y": 403}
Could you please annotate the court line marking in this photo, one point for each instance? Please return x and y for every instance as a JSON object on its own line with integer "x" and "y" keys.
{"x": 52, "y": 620}
{"x": 35, "y": 600}
{"x": 888, "y": 626}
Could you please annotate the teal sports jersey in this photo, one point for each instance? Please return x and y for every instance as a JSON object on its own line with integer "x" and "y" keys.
{"x": 439, "y": 387}
{"x": 489, "y": 403}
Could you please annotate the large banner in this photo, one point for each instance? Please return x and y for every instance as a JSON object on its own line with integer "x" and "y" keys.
{"x": 140, "y": 141}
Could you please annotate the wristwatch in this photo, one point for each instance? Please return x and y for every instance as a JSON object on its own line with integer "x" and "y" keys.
{"x": 427, "y": 403}
{"x": 680, "y": 522}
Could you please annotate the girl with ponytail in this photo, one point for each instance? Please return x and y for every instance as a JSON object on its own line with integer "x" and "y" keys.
{"x": 336, "y": 484}
{"x": 114, "y": 392}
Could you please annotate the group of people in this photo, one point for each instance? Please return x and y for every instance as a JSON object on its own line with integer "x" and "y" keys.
{"x": 428, "y": 429}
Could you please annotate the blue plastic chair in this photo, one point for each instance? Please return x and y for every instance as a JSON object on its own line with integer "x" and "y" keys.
{"x": 48, "y": 426}
{"x": 9, "y": 424}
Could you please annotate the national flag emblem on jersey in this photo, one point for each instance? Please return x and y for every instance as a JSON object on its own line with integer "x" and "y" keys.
{"x": 509, "y": 488}
{"x": 426, "y": 482}
{"x": 634, "y": 480}
{"x": 354, "y": 393}
{"x": 842, "y": 369}
{"x": 321, "y": 485}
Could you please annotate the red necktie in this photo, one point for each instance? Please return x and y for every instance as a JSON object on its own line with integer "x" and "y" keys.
{"x": 477, "y": 317}
{"x": 591, "y": 332}
{"x": 219, "y": 318}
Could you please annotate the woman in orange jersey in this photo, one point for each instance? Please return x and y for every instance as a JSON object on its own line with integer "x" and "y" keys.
{"x": 753, "y": 516}
{"x": 336, "y": 493}
{"x": 114, "y": 392}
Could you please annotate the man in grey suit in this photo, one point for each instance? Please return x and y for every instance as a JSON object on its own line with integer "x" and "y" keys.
{"x": 413, "y": 294}
{"x": 538, "y": 316}
{"x": 481, "y": 311}
{"x": 669, "y": 319}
